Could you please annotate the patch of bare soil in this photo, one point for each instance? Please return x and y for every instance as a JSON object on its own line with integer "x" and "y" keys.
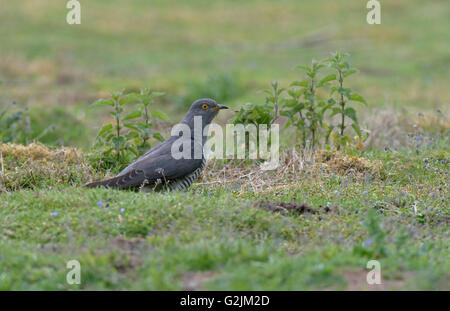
{"x": 357, "y": 281}
{"x": 445, "y": 218}
{"x": 291, "y": 208}
{"x": 195, "y": 280}
{"x": 129, "y": 250}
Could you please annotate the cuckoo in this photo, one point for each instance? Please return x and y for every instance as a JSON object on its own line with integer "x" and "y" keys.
{"x": 158, "y": 168}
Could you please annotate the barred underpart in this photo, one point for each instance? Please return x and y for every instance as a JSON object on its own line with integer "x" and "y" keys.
{"x": 177, "y": 184}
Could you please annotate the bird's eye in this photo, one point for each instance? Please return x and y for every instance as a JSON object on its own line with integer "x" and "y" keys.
{"x": 205, "y": 106}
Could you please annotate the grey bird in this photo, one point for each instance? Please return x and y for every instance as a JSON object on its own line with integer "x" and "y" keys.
{"x": 158, "y": 169}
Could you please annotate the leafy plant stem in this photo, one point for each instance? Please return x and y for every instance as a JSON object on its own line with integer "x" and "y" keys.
{"x": 342, "y": 104}
{"x": 116, "y": 105}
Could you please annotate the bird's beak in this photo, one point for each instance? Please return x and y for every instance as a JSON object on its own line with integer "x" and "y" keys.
{"x": 222, "y": 107}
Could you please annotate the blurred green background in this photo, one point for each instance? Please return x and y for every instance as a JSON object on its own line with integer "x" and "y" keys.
{"x": 228, "y": 50}
{"x": 222, "y": 233}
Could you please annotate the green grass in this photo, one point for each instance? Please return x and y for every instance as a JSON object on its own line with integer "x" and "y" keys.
{"x": 220, "y": 236}
{"x": 224, "y": 238}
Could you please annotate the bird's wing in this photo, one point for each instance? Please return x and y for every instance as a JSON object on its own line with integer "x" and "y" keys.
{"x": 156, "y": 150}
{"x": 162, "y": 167}
{"x": 151, "y": 167}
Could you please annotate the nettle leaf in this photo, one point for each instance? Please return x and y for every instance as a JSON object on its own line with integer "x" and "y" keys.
{"x": 310, "y": 96}
{"x": 333, "y": 89}
{"x": 131, "y": 126}
{"x": 358, "y": 98}
{"x": 357, "y": 128}
{"x": 157, "y": 94}
{"x": 298, "y": 109}
{"x": 110, "y": 136}
{"x": 159, "y": 114}
{"x": 115, "y": 114}
{"x": 300, "y": 83}
{"x": 330, "y": 103}
{"x": 290, "y": 103}
{"x": 116, "y": 95}
{"x": 281, "y": 90}
{"x": 132, "y": 97}
{"x": 335, "y": 66}
{"x": 305, "y": 68}
{"x": 286, "y": 113}
{"x": 118, "y": 141}
{"x": 267, "y": 91}
{"x": 104, "y": 102}
{"x": 351, "y": 113}
{"x": 158, "y": 136}
{"x": 318, "y": 66}
{"x": 300, "y": 106}
{"x": 132, "y": 134}
{"x": 329, "y": 129}
{"x": 328, "y": 78}
{"x": 128, "y": 99}
{"x": 311, "y": 74}
{"x": 349, "y": 72}
{"x": 134, "y": 151}
{"x": 344, "y": 91}
{"x": 335, "y": 111}
{"x": 292, "y": 93}
{"x": 300, "y": 92}
{"x": 143, "y": 125}
{"x": 132, "y": 115}
{"x": 270, "y": 99}
{"x": 105, "y": 129}
{"x": 288, "y": 124}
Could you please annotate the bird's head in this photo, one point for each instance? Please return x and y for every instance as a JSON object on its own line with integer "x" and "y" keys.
{"x": 206, "y": 108}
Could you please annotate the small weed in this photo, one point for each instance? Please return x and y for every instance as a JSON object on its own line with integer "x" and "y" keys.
{"x": 309, "y": 112}
{"x": 14, "y": 124}
{"x": 340, "y": 107}
{"x": 122, "y": 141}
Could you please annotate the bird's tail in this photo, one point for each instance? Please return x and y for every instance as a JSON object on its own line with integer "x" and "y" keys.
{"x": 107, "y": 183}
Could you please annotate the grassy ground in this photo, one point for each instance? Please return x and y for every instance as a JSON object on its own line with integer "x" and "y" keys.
{"x": 232, "y": 231}
{"x": 238, "y": 227}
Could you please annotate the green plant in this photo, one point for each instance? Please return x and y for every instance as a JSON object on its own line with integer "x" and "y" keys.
{"x": 338, "y": 62}
{"x": 60, "y": 125}
{"x": 23, "y": 126}
{"x": 122, "y": 141}
{"x": 274, "y": 100}
{"x": 144, "y": 127}
{"x": 307, "y": 109}
{"x": 304, "y": 109}
{"x": 266, "y": 113}
{"x": 112, "y": 134}
{"x": 375, "y": 245}
{"x": 14, "y": 124}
